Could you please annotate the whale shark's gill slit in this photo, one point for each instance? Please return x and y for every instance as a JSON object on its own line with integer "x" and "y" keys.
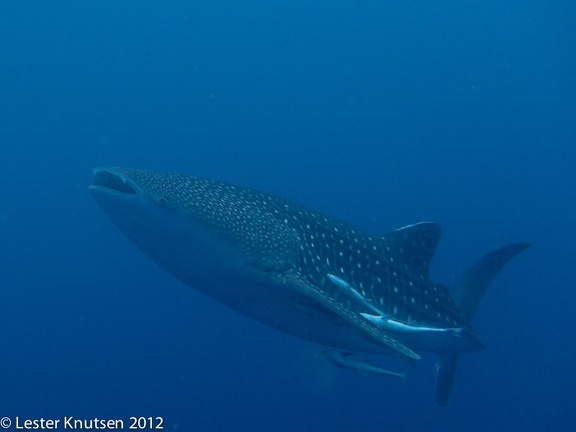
{"x": 114, "y": 182}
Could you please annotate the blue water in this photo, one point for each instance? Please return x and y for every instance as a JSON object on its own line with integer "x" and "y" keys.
{"x": 381, "y": 113}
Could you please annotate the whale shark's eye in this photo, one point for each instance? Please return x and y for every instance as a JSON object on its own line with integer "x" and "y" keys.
{"x": 162, "y": 201}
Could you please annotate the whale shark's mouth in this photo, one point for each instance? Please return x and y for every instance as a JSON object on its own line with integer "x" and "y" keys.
{"x": 110, "y": 181}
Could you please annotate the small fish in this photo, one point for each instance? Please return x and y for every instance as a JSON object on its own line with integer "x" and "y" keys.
{"x": 345, "y": 360}
{"x": 347, "y": 290}
{"x": 391, "y": 325}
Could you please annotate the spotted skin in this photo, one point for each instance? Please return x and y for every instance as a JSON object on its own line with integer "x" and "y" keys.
{"x": 284, "y": 252}
{"x": 288, "y": 236}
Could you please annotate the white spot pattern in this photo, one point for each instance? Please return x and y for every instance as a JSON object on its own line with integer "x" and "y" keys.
{"x": 283, "y": 236}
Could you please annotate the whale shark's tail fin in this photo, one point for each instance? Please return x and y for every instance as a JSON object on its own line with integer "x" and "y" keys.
{"x": 467, "y": 294}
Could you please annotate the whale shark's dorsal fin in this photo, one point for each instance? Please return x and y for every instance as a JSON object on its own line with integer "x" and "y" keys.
{"x": 412, "y": 246}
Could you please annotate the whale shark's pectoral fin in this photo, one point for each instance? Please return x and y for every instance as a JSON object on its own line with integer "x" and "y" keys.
{"x": 354, "y": 296}
{"x": 352, "y": 317}
{"x": 376, "y": 334}
{"x": 391, "y": 325}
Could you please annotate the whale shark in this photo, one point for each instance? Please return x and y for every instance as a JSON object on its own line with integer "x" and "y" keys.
{"x": 300, "y": 271}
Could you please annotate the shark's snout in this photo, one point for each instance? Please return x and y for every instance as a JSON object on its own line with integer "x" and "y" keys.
{"x": 111, "y": 181}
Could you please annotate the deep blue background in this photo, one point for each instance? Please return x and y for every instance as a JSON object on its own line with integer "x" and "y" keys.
{"x": 382, "y": 113}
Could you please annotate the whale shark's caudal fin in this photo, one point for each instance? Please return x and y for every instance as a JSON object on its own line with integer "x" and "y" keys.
{"x": 470, "y": 288}
{"x": 445, "y": 373}
{"x": 467, "y": 293}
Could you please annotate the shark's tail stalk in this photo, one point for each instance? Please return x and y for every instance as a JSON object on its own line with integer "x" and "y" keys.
{"x": 467, "y": 293}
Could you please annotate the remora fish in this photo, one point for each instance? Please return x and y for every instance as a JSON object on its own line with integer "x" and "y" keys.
{"x": 300, "y": 271}
{"x": 346, "y": 361}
